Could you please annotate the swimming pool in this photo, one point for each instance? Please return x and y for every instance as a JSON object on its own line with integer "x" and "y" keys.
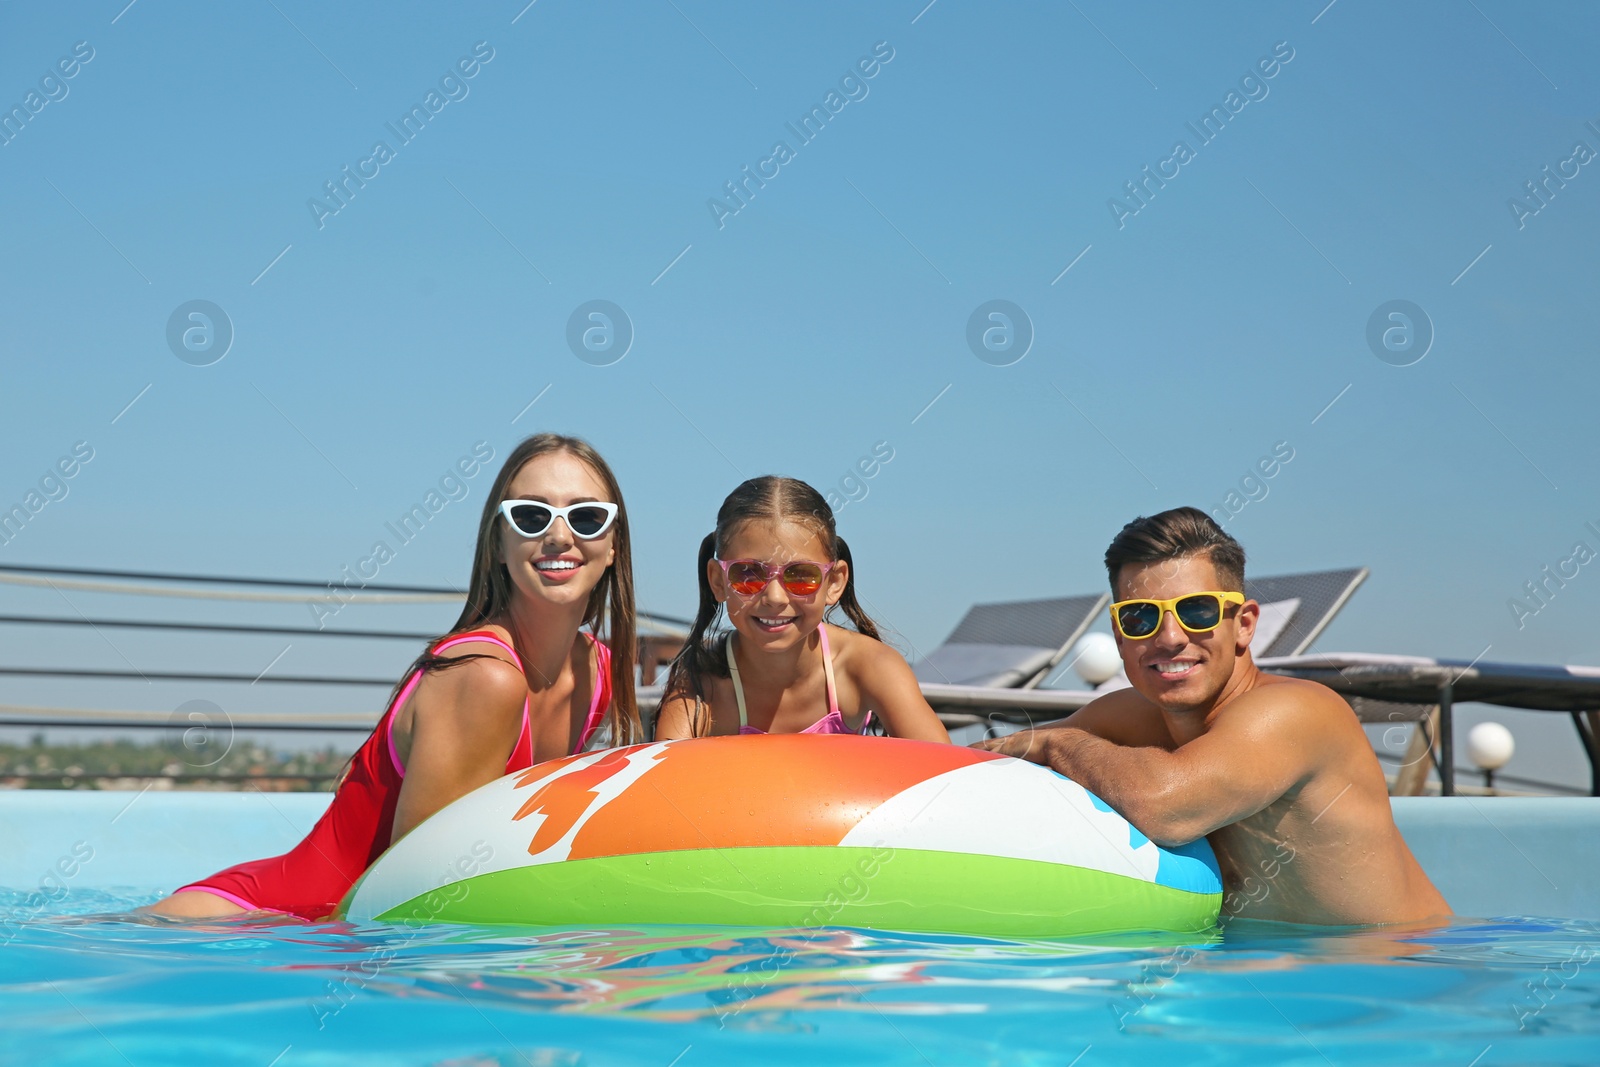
{"x": 81, "y": 990}
{"x": 75, "y": 990}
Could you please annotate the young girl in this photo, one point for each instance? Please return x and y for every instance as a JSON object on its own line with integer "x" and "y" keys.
{"x": 514, "y": 682}
{"x": 778, "y": 565}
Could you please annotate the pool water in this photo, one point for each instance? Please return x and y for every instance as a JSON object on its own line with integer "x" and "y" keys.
{"x": 77, "y": 987}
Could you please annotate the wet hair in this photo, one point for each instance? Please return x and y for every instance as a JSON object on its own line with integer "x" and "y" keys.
{"x": 1176, "y": 534}
{"x": 610, "y": 613}
{"x": 769, "y": 498}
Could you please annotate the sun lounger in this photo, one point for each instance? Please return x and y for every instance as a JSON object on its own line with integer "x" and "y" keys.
{"x": 1011, "y": 645}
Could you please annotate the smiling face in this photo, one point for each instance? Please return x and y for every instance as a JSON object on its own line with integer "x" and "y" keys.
{"x": 556, "y": 567}
{"x": 1173, "y": 668}
{"x": 774, "y": 619}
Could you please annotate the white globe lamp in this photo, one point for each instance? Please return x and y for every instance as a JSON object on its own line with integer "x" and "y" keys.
{"x": 1096, "y": 658}
{"x": 1490, "y": 746}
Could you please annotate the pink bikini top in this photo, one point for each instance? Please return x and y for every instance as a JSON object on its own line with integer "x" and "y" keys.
{"x": 524, "y": 746}
{"x": 831, "y": 723}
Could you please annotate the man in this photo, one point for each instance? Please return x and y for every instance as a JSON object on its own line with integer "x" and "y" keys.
{"x": 1276, "y": 772}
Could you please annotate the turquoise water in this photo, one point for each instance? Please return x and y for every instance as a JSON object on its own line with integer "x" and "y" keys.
{"x": 77, "y": 988}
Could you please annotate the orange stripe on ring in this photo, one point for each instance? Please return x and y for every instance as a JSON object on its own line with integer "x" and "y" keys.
{"x": 741, "y": 792}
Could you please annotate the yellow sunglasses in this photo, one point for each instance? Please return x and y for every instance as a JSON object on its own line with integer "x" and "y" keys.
{"x": 1199, "y": 613}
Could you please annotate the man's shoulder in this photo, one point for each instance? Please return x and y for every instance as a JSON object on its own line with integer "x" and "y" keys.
{"x": 1124, "y": 716}
{"x": 1296, "y": 690}
{"x": 1281, "y": 698}
{"x": 1124, "y": 700}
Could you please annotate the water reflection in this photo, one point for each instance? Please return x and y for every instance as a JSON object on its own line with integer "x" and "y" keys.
{"x": 1393, "y": 994}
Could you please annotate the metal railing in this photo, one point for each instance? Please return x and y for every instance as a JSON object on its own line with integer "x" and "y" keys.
{"x": 252, "y": 591}
{"x": 958, "y": 706}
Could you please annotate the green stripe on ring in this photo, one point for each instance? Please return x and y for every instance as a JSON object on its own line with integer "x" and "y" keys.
{"x": 913, "y": 890}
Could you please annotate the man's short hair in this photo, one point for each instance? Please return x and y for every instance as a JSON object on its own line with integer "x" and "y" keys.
{"x": 1176, "y": 534}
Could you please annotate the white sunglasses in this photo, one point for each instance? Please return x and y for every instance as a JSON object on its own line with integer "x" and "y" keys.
{"x": 588, "y": 520}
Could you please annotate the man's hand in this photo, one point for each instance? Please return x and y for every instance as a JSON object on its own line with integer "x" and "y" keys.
{"x": 1031, "y": 745}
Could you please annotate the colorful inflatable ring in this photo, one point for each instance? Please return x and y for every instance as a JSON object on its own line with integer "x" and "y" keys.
{"x": 791, "y": 831}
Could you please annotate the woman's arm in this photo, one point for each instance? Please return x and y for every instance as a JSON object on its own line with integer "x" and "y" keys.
{"x": 464, "y": 724}
{"x": 887, "y": 685}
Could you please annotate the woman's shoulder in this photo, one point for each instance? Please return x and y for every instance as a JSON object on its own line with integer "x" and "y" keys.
{"x": 478, "y": 641}
{"x": 490, "y": 670}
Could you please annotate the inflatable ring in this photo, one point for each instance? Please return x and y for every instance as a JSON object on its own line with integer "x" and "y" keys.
{"x": 785, "y": 831}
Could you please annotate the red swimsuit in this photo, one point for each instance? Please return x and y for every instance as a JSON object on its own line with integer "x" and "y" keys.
{"x": 310, "y": 879}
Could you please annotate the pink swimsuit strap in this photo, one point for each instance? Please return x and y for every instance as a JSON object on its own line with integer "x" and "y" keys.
{"x": 831, "y": 723}
{"x": 827, "y": 673}
{"x": 591, "y": 722}
{"x": 597, "y": 706}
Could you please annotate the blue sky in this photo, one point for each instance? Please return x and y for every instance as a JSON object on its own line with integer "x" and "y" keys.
{"x": 976, "y": 164}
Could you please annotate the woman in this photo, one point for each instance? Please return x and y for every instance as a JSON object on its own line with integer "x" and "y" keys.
{"x": 513, "y": 683}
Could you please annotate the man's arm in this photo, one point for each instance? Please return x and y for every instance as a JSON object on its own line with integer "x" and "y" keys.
{"x": 1255, "y": 753}
{"x": 1121, "y": 716}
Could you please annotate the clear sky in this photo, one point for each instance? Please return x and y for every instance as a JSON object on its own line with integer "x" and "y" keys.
{"x": 1369, "y": 154}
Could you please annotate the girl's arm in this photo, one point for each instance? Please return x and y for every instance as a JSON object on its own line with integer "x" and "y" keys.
{"x": 682, "y": 716}
{"x": 464, "y": 724}
{"x": 888, "y": 687}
